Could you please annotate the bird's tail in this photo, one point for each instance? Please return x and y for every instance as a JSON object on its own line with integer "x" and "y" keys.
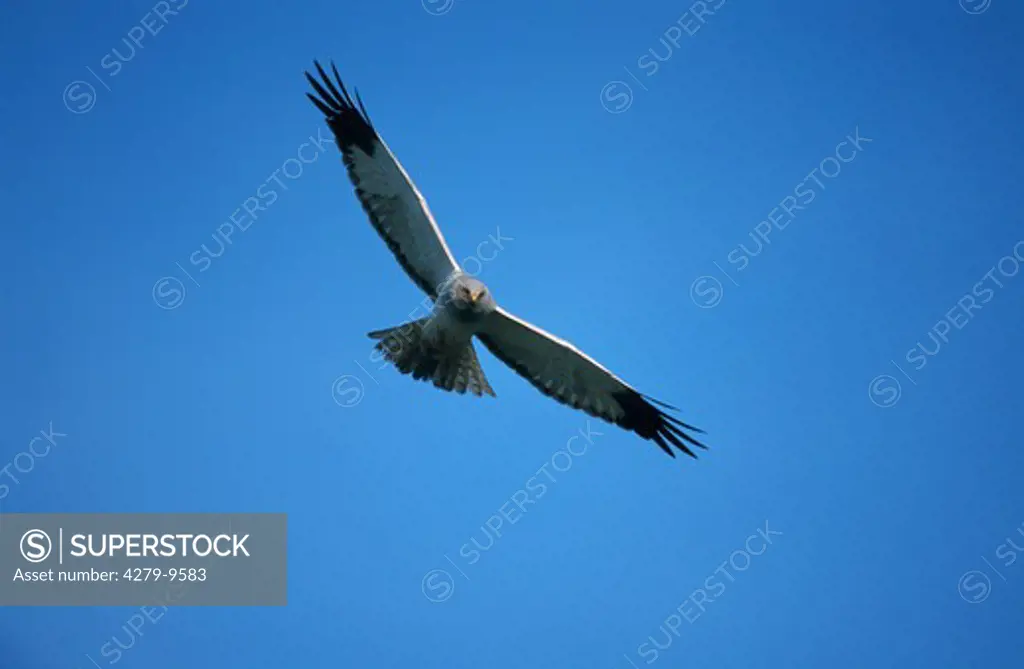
{"x": 411, "y": 353}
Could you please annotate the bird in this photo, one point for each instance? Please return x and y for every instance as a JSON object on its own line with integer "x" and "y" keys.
{"x": 439, "y": 347}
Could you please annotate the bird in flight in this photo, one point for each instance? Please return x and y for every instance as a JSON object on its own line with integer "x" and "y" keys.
{"x": 439, "y": 347}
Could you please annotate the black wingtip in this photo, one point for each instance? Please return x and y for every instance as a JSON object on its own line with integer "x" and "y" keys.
{"x": 351, "y": 125}
{"x": 680, "y": 423}
{"x": 320, "y": 105}
{"x": 648, "y": 421}
{"x": 660, "y": 441}
{"x": 659, "y": 402}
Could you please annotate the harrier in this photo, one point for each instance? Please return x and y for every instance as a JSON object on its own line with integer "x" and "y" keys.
{"x": 439, "y": 347}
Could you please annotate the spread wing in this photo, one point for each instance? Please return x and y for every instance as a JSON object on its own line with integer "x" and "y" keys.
{"x": 396, "y": 209}
{"x": 561, "y": 371}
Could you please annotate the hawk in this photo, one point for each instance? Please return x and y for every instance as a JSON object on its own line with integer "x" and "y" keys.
{"x": 439, "y": 347}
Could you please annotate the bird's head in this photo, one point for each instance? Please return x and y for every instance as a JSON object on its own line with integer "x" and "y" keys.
{"x": 470, "y": 296}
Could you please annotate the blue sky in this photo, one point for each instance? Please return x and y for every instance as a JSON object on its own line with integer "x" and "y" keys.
{"x": 855, "y": 362}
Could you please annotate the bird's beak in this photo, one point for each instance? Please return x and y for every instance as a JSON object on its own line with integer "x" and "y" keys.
{"x": 474, "y": 296}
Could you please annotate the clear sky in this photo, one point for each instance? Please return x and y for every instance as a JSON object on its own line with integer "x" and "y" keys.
{"x": 795, "y": 221}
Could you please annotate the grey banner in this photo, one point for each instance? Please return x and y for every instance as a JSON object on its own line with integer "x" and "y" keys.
{"x": 136, "y": 559}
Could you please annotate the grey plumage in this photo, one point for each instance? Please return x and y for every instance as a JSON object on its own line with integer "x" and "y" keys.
{"x": 406, "y": 347}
